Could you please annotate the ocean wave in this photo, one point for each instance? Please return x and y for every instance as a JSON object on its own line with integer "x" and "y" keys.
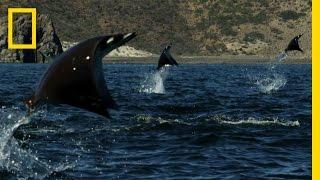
{"x": 253, "y": 121}
{"x": 216, "y": 119}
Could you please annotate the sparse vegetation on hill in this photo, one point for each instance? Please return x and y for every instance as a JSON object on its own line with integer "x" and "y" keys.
{"x": 291, "y": 15}
{"x": 253, "y": 36}
{"x": 198, "y": 27}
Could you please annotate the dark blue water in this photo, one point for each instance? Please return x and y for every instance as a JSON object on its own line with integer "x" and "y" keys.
{"x": 194, "y": 121}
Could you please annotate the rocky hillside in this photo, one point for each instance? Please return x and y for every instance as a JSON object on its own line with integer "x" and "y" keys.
{"x": 48, "y": 43}
{"x": 197, "y": 27}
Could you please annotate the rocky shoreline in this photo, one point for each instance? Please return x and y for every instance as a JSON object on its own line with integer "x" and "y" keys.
{"x": 48, "y": 43}
{"x": 206, "y": 60}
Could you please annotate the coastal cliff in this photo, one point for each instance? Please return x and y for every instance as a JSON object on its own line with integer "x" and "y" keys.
{"x": 48, "y": 43}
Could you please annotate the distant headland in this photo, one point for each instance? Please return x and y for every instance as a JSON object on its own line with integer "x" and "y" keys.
{"x": 196, "y": 29}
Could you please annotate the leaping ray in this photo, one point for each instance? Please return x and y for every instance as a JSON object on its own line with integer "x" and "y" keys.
{"x": 166, "y": 58}
{"x": 294, "y": 45}
{"x": 76, "y": 77}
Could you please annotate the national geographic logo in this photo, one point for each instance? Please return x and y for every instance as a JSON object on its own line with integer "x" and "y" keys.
{"x": 33, "y": 12}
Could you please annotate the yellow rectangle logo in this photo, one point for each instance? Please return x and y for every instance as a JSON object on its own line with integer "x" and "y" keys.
{"x": 33, "y": 44}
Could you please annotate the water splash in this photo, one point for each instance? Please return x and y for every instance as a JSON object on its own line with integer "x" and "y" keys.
{"x": 10, "y": 121}
{"x": 281, "y": 57}
{"x": 21, "y": 162}
{"x": 271, "y": 80}
{"x": 154, "y": 82}
{"x": 270, "y": 83}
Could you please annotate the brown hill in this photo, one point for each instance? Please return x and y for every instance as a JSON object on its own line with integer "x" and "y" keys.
{"x": 198, "y": 27}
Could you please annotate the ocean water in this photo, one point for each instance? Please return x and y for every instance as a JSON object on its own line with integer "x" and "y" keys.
{"x": 189, "y": 122}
